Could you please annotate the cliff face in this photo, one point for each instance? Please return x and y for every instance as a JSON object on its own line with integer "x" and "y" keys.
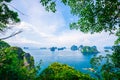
{"x": 15, "y": 64}
{"x": 26, "y": 58}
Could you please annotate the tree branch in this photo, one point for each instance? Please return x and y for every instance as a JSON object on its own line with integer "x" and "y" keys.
{"x": 13, "y": 34}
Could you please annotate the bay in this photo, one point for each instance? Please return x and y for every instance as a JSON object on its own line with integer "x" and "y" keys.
{"x": 72, "y": 58}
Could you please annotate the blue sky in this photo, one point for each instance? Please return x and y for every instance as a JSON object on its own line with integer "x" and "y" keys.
{"x": 45, "y": 29}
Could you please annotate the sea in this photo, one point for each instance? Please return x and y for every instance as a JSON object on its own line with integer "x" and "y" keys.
{"x": 74, "y": 59}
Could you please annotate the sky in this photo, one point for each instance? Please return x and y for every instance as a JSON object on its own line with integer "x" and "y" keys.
{"x": 45, "y": 29}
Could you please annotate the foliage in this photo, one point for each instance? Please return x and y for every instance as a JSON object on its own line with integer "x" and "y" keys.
{"x": 89, "y": 50}
{"x": 57, "y": 71}
{"x": 118, "y": 34}
{"x": 50, "y": 5}
{"x": 107, "y": 67}
{"x": 3, "y": 44}
{"x": 7, "y": 16}
{"x": 93, "y": 15}
{"x": 97, "y": 16}
{"x": 12, "y": 64}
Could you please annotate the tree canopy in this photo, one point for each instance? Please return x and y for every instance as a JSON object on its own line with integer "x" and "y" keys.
{"x": 15, "y": 64}
{"x": 107, "y": 67}
{"x": 58, "y": 71}
{"x": 7, "y": 16}
{"x": 94, "y": 15}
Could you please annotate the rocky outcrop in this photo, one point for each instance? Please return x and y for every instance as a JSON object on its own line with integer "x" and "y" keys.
{"x": 53, "y": 48}
{"x": 26, "y": 58}
{"x": 62, "y": 48}
{"x": 89, "y": 50}
{"x": 74, "y": 48}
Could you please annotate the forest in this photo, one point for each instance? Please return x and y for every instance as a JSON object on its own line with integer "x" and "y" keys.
{"x": 94, "y": 16}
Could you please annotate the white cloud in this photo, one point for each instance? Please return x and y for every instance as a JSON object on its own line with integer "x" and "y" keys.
{"x": 43, "y": 28}
{"x": 43, "y": 21}
{"x": 67, "y": 38}
{"x": 21, "y": 40}
{"x": 75, "y": 37}
{"x": 24, "y": 26}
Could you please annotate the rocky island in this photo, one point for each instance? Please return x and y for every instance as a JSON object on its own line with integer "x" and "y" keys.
{"x": 88, "y": 49}
{"x": 74, "y": 48}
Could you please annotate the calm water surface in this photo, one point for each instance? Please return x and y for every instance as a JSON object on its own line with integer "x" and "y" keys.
{"x": 72, "y": 58}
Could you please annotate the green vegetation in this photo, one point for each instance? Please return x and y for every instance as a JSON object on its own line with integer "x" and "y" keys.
{"x": 89, "y": 50}
{"x": 3, "y": 45}
{"x": 13, "y": 66}
{"x": 96, "y": 16}
{"x": 57, "y": 71}
{"x": 93, "y": 16}
{"x": 107, "y": 67}
{"x": 7, "y": 16}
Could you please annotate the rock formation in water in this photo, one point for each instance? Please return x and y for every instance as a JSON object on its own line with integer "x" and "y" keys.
{"x": 62, "y": 48}
{"x": 53, "y": 48}
{"x": 74, "y": 48}
{"x": 89, "y": 50}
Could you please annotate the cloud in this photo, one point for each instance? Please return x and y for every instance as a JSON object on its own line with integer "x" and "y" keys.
{"x": 75, "y": 37}
{"x": 32, "y": 37}
{"x": 19, "y": 40}
{"x": 46, "y": 22}
{"x": 41, "y": 28}
{"x": 23, "y": 26}
{"x": 43, "y": 21}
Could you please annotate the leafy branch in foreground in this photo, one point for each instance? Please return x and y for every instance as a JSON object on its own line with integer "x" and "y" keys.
{"x": 96, "y": 16}
{"x": 7, "y": 16}
{"x": 107, "y": 67}
{"x": 15, "y": 64}
{"x": 93, "y": 15}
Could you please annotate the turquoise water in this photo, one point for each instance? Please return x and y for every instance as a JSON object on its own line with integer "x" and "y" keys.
{"x": 72, "y": 58}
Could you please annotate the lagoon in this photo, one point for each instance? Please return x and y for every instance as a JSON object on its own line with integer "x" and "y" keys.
{"x": 73, "y": 58}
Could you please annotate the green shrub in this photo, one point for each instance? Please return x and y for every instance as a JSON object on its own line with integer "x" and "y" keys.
{"x": 57, "y": 71}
